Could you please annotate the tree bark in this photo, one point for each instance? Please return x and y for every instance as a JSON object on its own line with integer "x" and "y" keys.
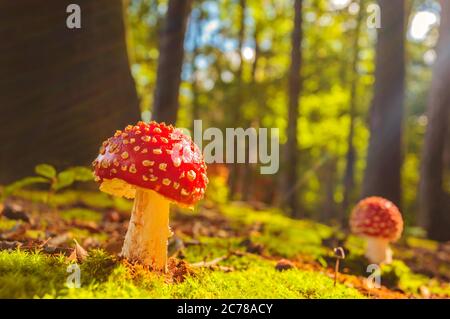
{"x": 249, "y": 168}
{"x": 291, "y": 147}
{"x": 236, "y": 108}
{"x": 350, "y": 158}
{"x": 171, "y": 53}
{"x": 327, "y": 174}
{"x": 384, "y": 159}
{"x": 62, "y": 91}
{"x": 197, "y": 27}
{"x": 434, "y": 203}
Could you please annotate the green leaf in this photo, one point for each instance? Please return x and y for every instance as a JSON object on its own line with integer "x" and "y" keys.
{"x": 11, "y": 188}
{"x": 81, "y": 173}
{"x": 45, "y": 170}
{"x": 64, "y": 179}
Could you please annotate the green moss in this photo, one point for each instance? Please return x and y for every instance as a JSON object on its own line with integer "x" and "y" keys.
{"x": 27, "y": 275}
{"x": 398, "y": 274}
{"x": 81, "y": 214}
{"x": 24, "y": 275}
{"x": 35, "y": 234}
{"x": 210, "y": 248}
{"x": 356, "y": 245}
{"x": 415, "y": 242}
{"x": 279, "y": 234}
{"x": 263, "y": 281}
{"x": 98, "y": 266}
{"x": 81, "y": 234}
{"x": 6, "y": 224}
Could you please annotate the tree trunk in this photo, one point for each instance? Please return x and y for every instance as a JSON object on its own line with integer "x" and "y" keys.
{"x": 62, "y": 91}
{"x": 291, "y": 147}
{"x": 350, "y": 158}
{"x": 236, "y": 108}
{"x": 384, "y": 159}
{"x": 249, "y": 169}
{"x": 327, "y": 175}
{"x": 171, "y": 52}
{"x": 434, "y": 201}
{"x": 197, "y": 30}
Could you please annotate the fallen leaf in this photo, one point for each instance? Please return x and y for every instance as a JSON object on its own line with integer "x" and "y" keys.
{"x": 15, "y": 212}
{"x": 79, "y": 254}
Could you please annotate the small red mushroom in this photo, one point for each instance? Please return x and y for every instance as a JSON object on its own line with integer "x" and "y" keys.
{"x": 380, "y": 221}
{"x": 156, "y": 164}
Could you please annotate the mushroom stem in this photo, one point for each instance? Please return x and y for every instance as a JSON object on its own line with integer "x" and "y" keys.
{"x": 148, "y": 231}
{"x": 378, "y": 250}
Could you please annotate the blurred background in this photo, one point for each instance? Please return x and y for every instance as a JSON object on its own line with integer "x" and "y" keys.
{"x": 361, "y": 110}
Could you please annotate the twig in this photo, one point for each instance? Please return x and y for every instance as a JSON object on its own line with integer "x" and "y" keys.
{"x": 211, "y": 262}
{"x": 217, "y": 260}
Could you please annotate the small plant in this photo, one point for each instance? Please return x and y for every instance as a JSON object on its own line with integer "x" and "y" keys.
{"x": 47, "y": 174}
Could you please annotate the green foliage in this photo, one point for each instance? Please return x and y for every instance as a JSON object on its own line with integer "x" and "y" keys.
{"x": 49, "y": 175}
{"x": 27, "y": 181}
{"x": 45, "y": 170}
{"x": 67, "y": 197}
{"x": 81, "y": 173}
{"x": 65, "y": 178}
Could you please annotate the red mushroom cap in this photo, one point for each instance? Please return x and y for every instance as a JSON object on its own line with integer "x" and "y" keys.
{"x": 376, "y": 217}
{"x": 152, "y": 156}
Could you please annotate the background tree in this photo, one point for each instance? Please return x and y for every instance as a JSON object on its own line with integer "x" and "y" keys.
{"x": 62, "y": 91}
{"x": 236, "y": 107}
{"x": 435, "y": 208}
{"x": 291, "y": 146}
{"x": 384, "y": 158}
{"x": 350, "y": 157}
{"x": 171, "y": 53}
{"x": 250, "y": 169}
{"x": 196, "y": 31}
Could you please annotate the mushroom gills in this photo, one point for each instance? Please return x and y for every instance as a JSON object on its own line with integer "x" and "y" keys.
{"x": 378, "y": 250}
{"x": 148, "y": 231}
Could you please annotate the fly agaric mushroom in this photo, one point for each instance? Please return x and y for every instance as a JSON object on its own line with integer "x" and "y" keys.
{"x": 156, "y": 164}
{"x": 380, "y": 222}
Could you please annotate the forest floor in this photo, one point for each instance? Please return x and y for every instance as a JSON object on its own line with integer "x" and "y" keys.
{"x": 228, "y": 250}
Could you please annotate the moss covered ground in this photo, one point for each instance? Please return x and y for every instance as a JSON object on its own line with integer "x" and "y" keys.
{"x": 220, "y": 250}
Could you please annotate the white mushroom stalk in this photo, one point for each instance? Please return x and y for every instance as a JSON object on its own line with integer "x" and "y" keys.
{"x": 148, "y": 231}
{"x": 378, "y": 250}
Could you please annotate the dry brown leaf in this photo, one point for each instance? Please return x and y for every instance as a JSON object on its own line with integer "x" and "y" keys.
{"x": 79, "y": 254}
